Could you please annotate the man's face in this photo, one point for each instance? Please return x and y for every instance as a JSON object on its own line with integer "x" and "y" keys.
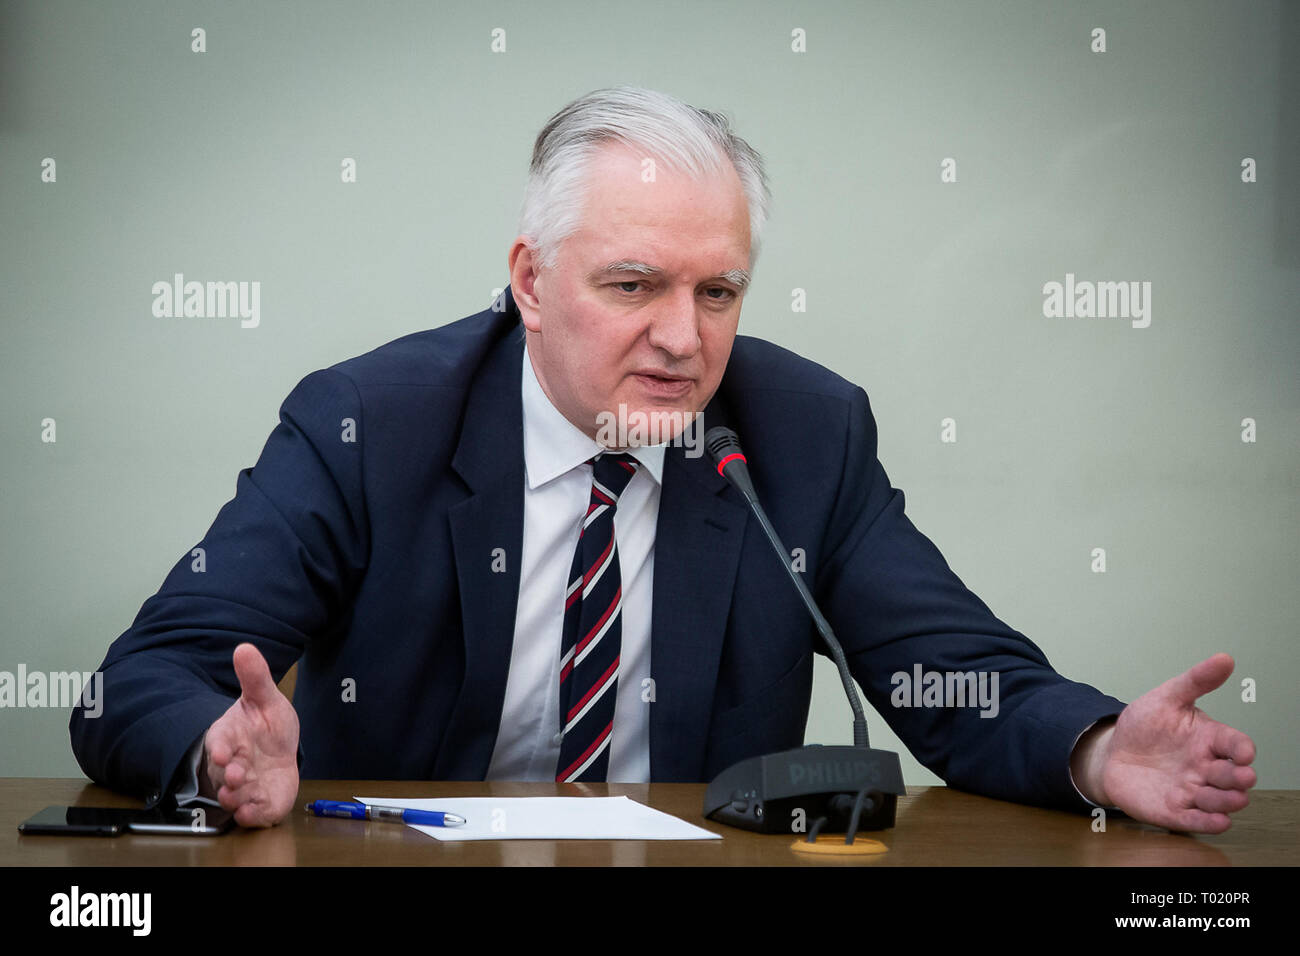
{"x": 641, "y": 307}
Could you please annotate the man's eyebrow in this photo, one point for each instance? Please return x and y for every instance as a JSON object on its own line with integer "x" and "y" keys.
{"x": 737, "y": 277}
{"x": 628, "y": 265}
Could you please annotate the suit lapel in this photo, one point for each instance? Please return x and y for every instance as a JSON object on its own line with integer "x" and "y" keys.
{"x": 697, "y": 551}
{"x": 490, "y": 460}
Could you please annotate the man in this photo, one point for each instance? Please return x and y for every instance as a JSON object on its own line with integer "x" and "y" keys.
{"x": 477, "y": 587}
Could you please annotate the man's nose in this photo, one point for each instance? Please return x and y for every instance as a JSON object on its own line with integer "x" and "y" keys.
{"x": 675, "y": 327}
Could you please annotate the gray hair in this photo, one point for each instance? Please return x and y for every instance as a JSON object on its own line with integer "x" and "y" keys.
{"x": 694, "y": 141}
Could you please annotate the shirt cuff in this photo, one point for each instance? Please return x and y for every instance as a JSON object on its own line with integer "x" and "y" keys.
{"x": 188, "y": 792}
{"x": 1070, "y": 771}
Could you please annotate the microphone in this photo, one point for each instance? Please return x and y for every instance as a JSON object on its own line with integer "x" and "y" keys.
{"x": 834, "y": 786}
{"x": 724, "y": 448}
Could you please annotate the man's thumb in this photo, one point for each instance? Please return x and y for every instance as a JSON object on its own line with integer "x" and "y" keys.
{"x": 255, "y": 683}
{"x": 1204, "y": 677}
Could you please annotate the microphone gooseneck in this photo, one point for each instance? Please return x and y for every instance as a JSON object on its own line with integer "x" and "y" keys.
{"x": 724, "y": 449}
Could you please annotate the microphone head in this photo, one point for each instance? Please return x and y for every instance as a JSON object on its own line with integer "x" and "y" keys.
{"x": 721, "y": 442}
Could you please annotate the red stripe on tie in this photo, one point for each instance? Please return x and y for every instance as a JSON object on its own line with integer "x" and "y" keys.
{"x": 586, "y": 753}
{"x": 599, "y": 624}
{"x": 603, "y": 497}
{"x": 631, "y": 468}
{"x": 594, "y": 687}
{"x": 732, "y": 457}
{"x": 564, "y": 672}
{"x": 586, "y": 578}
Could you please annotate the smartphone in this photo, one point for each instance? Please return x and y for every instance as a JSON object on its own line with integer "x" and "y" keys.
{"x": 114, "y": 821}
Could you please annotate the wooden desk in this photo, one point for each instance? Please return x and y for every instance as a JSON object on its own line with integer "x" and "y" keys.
{"x": 935, "y": 827}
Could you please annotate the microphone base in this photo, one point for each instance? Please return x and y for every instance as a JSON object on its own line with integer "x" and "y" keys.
{"x": 813, "y": 786}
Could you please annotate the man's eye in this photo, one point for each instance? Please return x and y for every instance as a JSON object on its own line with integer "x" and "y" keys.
{"x": 635, "y": 286}
{"x": 726, "y": 293}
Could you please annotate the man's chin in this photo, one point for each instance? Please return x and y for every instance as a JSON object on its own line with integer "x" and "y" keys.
{"x": 652, "y": 423}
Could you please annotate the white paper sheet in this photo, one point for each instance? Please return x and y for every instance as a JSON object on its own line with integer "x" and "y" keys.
{"x": 549, "y": 818}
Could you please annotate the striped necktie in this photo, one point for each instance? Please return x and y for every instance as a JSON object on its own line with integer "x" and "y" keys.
{"x": 590, "y": 647}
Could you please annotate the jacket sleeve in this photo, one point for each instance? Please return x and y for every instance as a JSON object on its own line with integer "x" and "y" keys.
{"x": 276, "y": 569}
{"x": 895, "y": 604}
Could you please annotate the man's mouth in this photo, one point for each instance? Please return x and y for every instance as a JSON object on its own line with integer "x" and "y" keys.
{"x": 664, "y": 384}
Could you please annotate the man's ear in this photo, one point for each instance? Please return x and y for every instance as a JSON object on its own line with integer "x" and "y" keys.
{"x": 523, "y": 279}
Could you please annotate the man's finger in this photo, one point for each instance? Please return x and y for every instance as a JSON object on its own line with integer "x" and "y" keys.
{"x": 238, "y": 773}
{"x": 230, "y": 799}
{"x": 1214, "y": 800}
{"x": 220, "y": 744}
{"x": 1199, "y": 680}
{"x": 1231, "y": 744}
{"x": 253, "y": 814}
{"x": 255, "y": 809}
{"x": 219, "y": 752}
{"x": 255, "y": 683}
{"x": 1198, "y": 821}
{"x": 1227, "y": 775}
{"x": 248, "y": 792}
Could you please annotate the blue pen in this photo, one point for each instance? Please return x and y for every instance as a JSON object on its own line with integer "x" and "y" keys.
{"x": 359, "y": 811}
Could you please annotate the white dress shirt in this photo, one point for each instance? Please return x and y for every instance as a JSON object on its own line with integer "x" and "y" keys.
{"x": 557, "y": 490}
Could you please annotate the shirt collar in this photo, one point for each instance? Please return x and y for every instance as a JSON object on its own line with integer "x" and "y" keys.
{"x": 553, "y": 445}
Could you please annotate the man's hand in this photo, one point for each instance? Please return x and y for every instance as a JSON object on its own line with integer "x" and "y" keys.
{"x": 250, "y": 753}
{"x": 1165, "y": 762}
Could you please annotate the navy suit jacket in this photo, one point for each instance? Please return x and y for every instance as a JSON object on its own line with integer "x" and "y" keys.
{"x": 373, "y": 560}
